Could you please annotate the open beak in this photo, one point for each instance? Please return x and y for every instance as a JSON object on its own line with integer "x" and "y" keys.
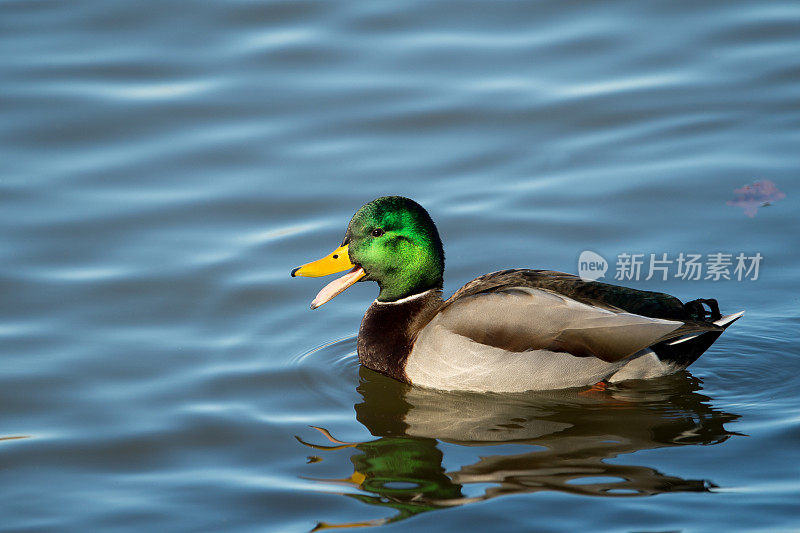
{"x": 336, "y": 261}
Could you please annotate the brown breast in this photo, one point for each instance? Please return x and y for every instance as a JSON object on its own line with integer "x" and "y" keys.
{"x": 388, "y": 331}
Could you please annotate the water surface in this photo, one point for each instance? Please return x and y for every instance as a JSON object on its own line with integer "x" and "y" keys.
{"x": 164, "y": 165}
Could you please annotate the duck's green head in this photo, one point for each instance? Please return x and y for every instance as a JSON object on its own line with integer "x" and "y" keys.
{"x": 391, "y": 240}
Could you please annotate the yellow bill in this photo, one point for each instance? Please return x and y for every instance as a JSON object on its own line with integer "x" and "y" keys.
{"x": 336, "y": 261}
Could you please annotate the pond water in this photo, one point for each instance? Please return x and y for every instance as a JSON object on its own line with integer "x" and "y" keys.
{"x": 164, "y": 165}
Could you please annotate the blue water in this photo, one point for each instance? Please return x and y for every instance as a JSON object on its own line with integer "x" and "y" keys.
{"x": 164, "y": 165}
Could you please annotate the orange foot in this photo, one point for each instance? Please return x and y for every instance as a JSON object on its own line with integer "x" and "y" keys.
{"x": 600, "y": 386}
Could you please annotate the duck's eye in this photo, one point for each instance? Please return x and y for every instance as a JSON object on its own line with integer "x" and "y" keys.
{"x": 377, "y": 232}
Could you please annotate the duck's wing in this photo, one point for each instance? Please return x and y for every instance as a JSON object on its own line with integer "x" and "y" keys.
{"x": 595, "y": 293}
{"x": 517, "y": 311}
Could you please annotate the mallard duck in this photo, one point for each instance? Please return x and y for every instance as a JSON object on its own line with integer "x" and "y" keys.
{"x": 508, "y": 331}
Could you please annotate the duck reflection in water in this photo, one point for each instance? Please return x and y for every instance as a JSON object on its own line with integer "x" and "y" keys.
{"x": 570, "y": 435}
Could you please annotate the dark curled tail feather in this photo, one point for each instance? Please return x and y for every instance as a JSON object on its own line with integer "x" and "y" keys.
{"x": 697, "y": 311}
{"x": 684, "y": 352}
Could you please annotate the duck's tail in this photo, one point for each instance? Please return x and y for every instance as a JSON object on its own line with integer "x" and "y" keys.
{"x": 685, "y": 350}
